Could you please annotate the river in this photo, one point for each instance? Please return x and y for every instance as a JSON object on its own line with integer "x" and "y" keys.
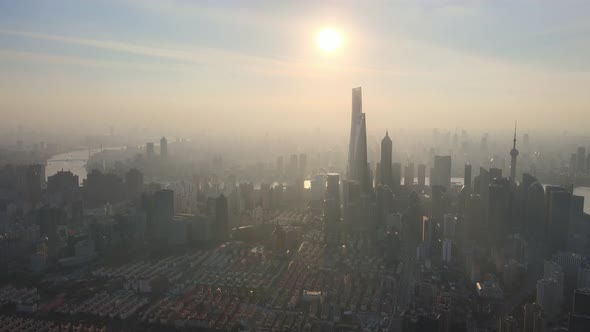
{"x": 73, "y": 161}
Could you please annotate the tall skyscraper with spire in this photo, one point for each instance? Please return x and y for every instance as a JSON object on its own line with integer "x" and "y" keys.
{"x": 513, "y": 155}
{"x": 357, "y": 109}
{"x": 358, "y": 169}
{"x": 386, "y": 170}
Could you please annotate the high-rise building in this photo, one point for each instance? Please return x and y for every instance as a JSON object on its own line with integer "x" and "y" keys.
{"x": 164, "y": 205}
{"x": 302, "y": 165}
{"x": 533, "y": 318}
{"x": 134, "y": 184}
{"x": 550, "y": 295}
{"x": 293, "y": 171}
{"x": 421, "y": 175}
{"x": 149, "y": 150}
{"x": 386, "y": 170}
{"x": 467, "y": 176}
{"x": 396, "y": 176}
{"x": 513, "y": 156}
{"x": 581, "y": 160}
{"x": 409, "y": 174}
{"x": 442, "y": 172}
{"x": 63, "y": 182}
{"x": 573, "y": 164}
{"x": 499, "y": 209}
{"x": 447, "y": 250}
{"x": 559, "y": 218}
{"x": 507, "y": 324}
{"x": 221, "y": 228}
{"x": 332, "y": 204}
{"x": 163, "y": 148}
{"x": 579, "y": 320}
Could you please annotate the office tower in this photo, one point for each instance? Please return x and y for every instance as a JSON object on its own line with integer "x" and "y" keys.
{"x": 221, "y": 227}
{"x": 302, "y": 165}
{"x": 499, "y": 209}
{"x": 396, "y": 177}
{"x": 280, "y": 166}
{"x": 467, "y": 177}
{"x": 449, "y": 225}
{"x": 581, "y": 160}
{"x": 332, "y": 204}
{"x": 507, "y": 324}
{"x": 357, "y": 109}
{"x": 438, "y": 205}
{"x": 559, "y": 218}
{"x": 265, "y": 196}
{"x": 333, "y": 186}
{"x": 582, "y": 301}
{"x": 149, "y": 150}
{"x": 533, "y": 320}
{"x": 534, "y": 224}
{"x": 442, "y": 172}
{"x": 573, "y": 163}
{"x": 134, "y": 184}
{"x": 386, "y": 167}
{"x": 447, "y": 250}
{"x": 164, "y": 148}
{"x": 583, "y": 277}
{"x": 384, "y": 204}
{"x": 550, "y": 295}
{"x": 164, "y": 205}
{"x": 409, "y": 174}
{"x": 421, "y": 175}
{"x": 427, "y": 231}
{"x": 317, "y": 187}
{"x": 579, "y": 320}
{"x": 62, "y": 182}
{"x": 495, "y": 173}
{"x": 513, "y": 155}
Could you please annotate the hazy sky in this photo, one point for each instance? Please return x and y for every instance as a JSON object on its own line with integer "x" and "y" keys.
{"x": 219, "y": 65}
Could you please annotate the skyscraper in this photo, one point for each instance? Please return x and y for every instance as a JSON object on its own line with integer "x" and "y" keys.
{"x": 581, "y": 158}
{"x": 513, "y": 155}
{"x": 221, "y": 219}
{"x": 149, "y": 150}
{"x": 332, "y": 204}
{"x": 164, "y": 148}
{"x": 357, "y": 109}
{"x": 421, "y": 175}
{"x": 409, "y": 174}
{"x": 396, "y": 175}
{"x": 467, "y": 176}
{"x": 442, "y": 172}
{"x": 303, "y": 165}
{"x": 386, "y": 170}
{"x": 559, "y": 218}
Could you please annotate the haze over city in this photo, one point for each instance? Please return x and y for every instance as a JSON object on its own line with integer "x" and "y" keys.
{"x": 411, "y": 166}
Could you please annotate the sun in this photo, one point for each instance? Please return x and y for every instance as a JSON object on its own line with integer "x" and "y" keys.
{"x": 329, "y": 40}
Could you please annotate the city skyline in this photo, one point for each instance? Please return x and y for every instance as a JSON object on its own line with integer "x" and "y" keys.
{"x": 391, "y": 166}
